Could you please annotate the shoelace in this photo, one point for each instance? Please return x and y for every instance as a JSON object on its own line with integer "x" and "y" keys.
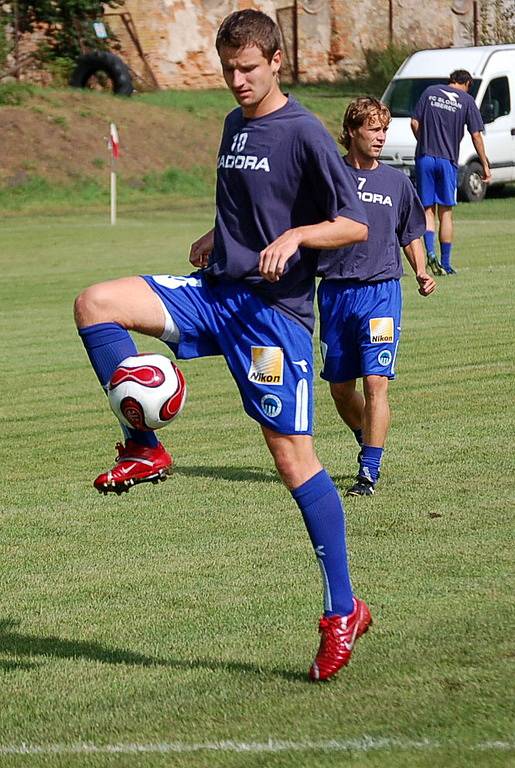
{"x": 331, "y": 635}
{"x": 122, "y": 450}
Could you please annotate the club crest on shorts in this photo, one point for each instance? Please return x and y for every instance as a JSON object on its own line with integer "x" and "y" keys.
{"x": 266, "y": 366}
{"x": 381, "y": 330}
{"x": 271, "y": 405}
{"x": 384, "y": 358}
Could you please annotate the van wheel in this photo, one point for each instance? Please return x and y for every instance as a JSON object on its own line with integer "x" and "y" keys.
{"x": 100, "y": 70}
{"x": 472, "y": 187}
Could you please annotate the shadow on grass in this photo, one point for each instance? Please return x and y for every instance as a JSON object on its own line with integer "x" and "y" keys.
{"x": 31, "y": 646}
{"x": 249, "y": 475}
{"x": 342, "y": 482}
{"x": 233, "y": 474}
{"x": 12, "y": 642}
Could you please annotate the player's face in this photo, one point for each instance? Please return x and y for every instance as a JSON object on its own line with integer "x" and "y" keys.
{"x": 368, "y": 140}
{"x": 250, "y": 76}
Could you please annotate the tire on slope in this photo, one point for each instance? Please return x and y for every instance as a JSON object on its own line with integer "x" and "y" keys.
{"x": 102, "y": 61}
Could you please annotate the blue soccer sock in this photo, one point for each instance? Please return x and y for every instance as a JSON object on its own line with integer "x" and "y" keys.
{"x": 358, "y": 434}
{"x": 370, "y": 462}
{"x": 429, "y": 240}
{"x": 107, "y": 344}
{"x": 445, "y": 258}
{"x": 322, "y": 510}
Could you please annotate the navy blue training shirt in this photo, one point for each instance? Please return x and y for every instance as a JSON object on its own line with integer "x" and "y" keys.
{"x": 276, "y": 172}
{"x": 443, "y": 112}
{"x": 396, "y": 218}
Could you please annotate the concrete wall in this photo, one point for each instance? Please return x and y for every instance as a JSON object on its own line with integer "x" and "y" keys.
{"x": 178, "y": 36}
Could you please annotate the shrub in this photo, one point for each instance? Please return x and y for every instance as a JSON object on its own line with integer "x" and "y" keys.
{"x": 14, "y": 94}
{"x": 382, "y": 65}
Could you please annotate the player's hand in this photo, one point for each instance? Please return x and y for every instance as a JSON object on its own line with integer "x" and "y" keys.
{"x": 201, "y": 249}
{"x": 426, "y": 284}
{"x": 273, "y": 258}
{"x": 487, "y": 176}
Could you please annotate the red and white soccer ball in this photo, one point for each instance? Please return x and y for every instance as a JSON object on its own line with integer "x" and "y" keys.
{"x": 147, "y": 391}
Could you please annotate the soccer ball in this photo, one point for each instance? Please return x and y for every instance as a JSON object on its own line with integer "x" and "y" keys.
{"x": 147, "y": 391}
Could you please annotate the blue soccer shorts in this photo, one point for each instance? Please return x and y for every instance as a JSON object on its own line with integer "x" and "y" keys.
{"x": 437, "y": 181}
{"x": 360, "y": 327}
{"x": 269, "y": 355}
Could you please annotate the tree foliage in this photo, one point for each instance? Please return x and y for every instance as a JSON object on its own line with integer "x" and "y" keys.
{"x": 67, "y": 24}
{"x": 382, "y": 64}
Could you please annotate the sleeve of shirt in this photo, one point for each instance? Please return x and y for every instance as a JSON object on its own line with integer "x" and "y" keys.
{"x": 474, "y": 119}
{"x": 417, "y": 112}
{"x": 332, "y": 185}
{"x": 412, "y": 218}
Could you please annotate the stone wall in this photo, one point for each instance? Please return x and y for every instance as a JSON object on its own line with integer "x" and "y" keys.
{"x": 177, "y": 36}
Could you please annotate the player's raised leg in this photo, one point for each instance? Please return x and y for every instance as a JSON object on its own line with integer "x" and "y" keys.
{"x": 345, "y": 618}
{"x": 104, "y": 313}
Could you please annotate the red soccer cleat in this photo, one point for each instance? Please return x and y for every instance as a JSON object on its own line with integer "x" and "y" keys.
{"x": 339, "y": 633}
{"x": 135, "y": 464}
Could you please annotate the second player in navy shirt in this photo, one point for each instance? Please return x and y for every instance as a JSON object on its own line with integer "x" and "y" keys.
{"x": 396, "y": 218}
{"x": 360, "y": 296}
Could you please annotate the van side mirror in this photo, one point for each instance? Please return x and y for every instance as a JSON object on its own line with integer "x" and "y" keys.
{"x": 490, "y": 111}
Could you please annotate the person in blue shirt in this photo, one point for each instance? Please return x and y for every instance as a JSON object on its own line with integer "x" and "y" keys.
{"x": 359, "y": 296}
{"x": 438, "y": 123}
{"x": 282, "y": 196}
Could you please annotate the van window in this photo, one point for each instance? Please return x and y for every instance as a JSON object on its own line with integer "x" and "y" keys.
{"x": 402, "y": 95}
{"x": 496, "y": 101}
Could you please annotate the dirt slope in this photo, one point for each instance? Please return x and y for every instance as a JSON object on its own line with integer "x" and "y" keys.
{"x": 62, "y": 136}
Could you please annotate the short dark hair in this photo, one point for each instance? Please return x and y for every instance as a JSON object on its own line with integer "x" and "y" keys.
{"x": 358, "y": 112}
{"x": 460, "y": 76}
{"x": 249, "y": 27}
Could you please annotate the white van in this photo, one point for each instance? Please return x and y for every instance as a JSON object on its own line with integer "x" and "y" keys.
{"x": 493, "y": 70}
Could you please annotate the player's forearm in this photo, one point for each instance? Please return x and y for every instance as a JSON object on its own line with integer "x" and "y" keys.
{"x": 327, "y": 235}
{"x": 415, "y": 127}
{"x": 332, "y": 234}
{"x": 479, "y": 146}
{"x": 414, "y": 253}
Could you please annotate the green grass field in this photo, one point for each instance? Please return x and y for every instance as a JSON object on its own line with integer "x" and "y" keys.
{"x": 175, "y": 625}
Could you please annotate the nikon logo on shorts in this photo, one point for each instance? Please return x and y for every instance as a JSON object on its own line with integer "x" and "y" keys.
{"x": 381, "y": 330}
{"x": 266, "y": 365}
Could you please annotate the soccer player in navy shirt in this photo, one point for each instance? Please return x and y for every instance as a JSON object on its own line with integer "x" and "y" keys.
{"x": 438, "y": 123}
{"x": 282, "y": 195}
{"x": 360, "y": 297}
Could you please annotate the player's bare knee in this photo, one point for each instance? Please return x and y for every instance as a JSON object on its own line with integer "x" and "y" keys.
{"x": 93, "y": 305}
{"x": 375, "y": 387}
{"x": 342, "y": 392}
{"x": 338, "y": 398}
{"x": 296, "y": 464}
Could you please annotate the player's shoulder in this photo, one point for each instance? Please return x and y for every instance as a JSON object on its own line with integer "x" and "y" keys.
{"x": 393, "y": 173}
{"x": 430, "y": 90}
{"x": 395, "y": 179}
{"x": 234, "y": 117}
{"x": 470, "y": 100}
{"x": 303, "y": 121}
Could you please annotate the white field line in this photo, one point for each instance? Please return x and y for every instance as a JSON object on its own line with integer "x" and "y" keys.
{"x": 365, "y": 744}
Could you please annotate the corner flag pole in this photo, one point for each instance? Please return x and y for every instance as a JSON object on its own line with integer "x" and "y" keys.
{"x": 114, "y": 146}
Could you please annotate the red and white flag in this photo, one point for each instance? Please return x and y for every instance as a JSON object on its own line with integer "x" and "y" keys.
{"x": 114, "y": 141}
